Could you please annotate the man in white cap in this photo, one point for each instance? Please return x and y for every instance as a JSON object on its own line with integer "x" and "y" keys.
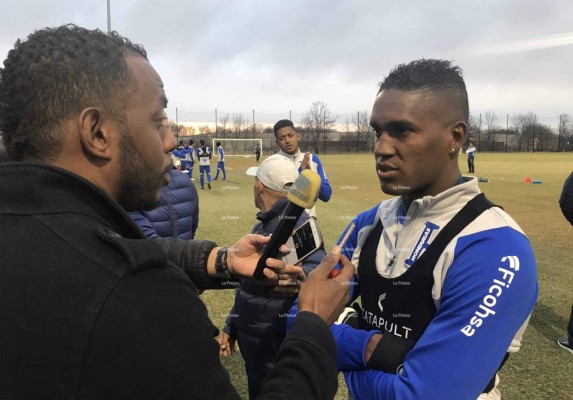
{"x": 261, "y": 326}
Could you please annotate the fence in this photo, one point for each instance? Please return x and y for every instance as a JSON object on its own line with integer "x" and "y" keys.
{"x": 351, "y": 142}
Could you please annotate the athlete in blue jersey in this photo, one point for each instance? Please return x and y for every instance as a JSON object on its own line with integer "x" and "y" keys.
{"x": 220, "y": 162}
{"x": 204, "y": 156}
{"x": 287, "y": 139}
{"x": 189, "y": 161}
{"x": 184, "y": 157}
{"x": 447, "y": 280}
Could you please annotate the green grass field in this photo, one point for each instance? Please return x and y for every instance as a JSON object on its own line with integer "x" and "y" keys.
{"x": 541, "y": 370}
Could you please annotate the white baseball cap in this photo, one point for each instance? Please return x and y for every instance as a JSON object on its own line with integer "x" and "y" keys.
{"x": 276, "y": 173}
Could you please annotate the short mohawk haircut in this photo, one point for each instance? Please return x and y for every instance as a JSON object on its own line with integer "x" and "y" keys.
{"x": 429, "y": 75}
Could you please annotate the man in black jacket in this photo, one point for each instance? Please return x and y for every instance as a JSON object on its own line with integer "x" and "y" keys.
{"x": 258, "y": 320}
{"x": 3, "y": 155}
{"x": 566, "y": 204}
{"x": 89, "y": 308}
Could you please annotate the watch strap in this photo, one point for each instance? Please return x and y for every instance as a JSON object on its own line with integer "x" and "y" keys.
{"x": 221, "y": 264}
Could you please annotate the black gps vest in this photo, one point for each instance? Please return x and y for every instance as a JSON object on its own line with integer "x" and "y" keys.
{"x": 403, "y": 306}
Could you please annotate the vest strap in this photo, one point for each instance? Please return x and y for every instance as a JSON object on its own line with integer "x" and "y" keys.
{"x": 463, "y": 218}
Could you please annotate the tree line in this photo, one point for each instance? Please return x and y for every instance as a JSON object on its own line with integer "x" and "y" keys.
{"x": 518, "y": 132}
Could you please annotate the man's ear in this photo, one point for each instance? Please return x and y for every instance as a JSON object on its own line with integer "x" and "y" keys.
{"x": 459, "y": 135}
{"x": 260, "y": 188}
{"x": 95, "y": 134}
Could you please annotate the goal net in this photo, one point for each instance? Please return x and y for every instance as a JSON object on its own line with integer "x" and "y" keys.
{"x": 238, "y": 147}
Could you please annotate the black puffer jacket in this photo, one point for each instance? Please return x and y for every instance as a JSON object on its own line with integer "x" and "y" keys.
{"x": 566, "y": 199}
{"x": 257, "y": 320}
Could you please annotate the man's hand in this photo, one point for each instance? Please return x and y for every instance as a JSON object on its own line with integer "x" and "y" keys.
{"x": 226, "y": 344}
{"x": 324, "y": 296}
{"x": 289, "y": 284}
{"x": 306, "y": 161}
{"x": 242, "y": 258}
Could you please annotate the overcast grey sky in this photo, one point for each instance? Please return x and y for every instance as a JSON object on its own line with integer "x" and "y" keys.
{"x": 276, "y": 56}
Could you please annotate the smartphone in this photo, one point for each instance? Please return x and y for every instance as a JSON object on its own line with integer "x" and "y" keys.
{"x": 306, "y": 240}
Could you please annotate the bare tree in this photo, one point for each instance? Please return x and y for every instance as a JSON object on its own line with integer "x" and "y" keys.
{"x": 474, "y": 129}
{"x": 258, "y": 128}
{"x": 223, "y": 121}
{"x": 239, "y": 128}
{"x": 204, "y": 130}
{"x": 544, "y": 134}
{"x": 524, "y": 126}
{"x": 346, "y": 139}
{"x": 563, "y": 130}
{"x": 346, "y": 125}
{"x": 317, "y": 122}
{"x": 361, "y": 122}
{"x": 178, "y": 130}
{"x": 517, "y": 125}
{"x": 491, "y": 126}
{"x": 239, "y": 125}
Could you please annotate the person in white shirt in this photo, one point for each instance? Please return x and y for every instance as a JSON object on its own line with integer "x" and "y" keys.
{"x": 471, "y": 155}
{"x": 287, "y": 139}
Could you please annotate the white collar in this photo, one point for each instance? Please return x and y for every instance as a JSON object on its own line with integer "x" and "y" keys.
{"x": 294, "y": 156}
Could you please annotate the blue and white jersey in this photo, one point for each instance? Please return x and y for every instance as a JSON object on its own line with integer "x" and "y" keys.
{"x": 221, "y": 154}
{"x": 190, "y": 156}
{"x": 315, "y": 165}
{"x": 204, "y": 155}
{"x": 485, "y": 287}
{"x": 471, "y": 151}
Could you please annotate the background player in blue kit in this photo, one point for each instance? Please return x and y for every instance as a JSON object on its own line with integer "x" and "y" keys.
{"x": 189, "y": 161}
{"x": 204, "y": 156}
{"x": 220, "y": 162}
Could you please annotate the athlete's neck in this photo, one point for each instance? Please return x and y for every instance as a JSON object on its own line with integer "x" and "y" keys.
{"x": 408, "y": 198}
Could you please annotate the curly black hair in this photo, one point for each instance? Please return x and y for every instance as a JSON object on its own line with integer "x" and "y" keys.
{"x": 429, "y": 75}
{"x": 282, "y": 124}
{"x": 54, "y": 74}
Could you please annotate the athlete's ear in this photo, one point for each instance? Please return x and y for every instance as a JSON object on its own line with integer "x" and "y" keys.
{"x": 459, "y": 135}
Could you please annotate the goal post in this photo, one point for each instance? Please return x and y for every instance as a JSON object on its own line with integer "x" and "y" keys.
{"x": 238, "y": 147}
